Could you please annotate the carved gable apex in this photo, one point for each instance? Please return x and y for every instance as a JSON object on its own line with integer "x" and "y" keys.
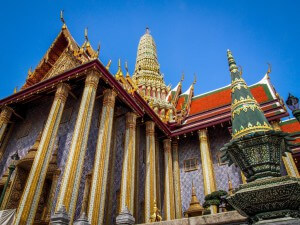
{"x": 65, "y": 62}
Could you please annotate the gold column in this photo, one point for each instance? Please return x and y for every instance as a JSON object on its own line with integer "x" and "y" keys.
{"x": 288, "y": 160}
{"x": 68, "y": 192}
{"x": 169, "y": 204}
{"x": 176, "y": 174}
{"x": 207, "y": 166}
{"x": 86, "y": 193}
{"x": 102, "y": 155}
{"x": 4, "y": 119}
{"x": 33, "y": 189}
{"x": 150, "y": 182}
{"x": 157, "y": 172}
{"x": 137, "y": 176}
{"x": 128, "y": 169}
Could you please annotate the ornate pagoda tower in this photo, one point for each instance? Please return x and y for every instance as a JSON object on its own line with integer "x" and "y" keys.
{"x": 149, "y": 80}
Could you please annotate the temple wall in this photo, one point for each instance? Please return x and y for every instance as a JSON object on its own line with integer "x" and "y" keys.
{"x": 217, "y": 138}
{"x": 26, "y": 131}
{"x": 188, "y": 148}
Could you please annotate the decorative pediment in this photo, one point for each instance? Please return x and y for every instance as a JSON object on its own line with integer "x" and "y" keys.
{"x": 65, "y": 62}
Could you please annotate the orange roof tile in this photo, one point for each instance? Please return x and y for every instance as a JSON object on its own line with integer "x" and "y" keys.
{"x": 290, "y": 126}
{"x": 222, "y": 97}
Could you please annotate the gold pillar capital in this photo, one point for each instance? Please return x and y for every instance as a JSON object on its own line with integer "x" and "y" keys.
{"x": 5, "y": 114}
{"x": 62, "y": 92}
{"x": 131, "y": 120}
{"x": 150, "y": 128}
{"x": 109, "y": 97}
{"x": 202, "y": 134}
{"x": 92, "y": 79}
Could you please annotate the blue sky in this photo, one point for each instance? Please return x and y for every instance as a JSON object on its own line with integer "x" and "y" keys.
{"x": 191, "y": 36}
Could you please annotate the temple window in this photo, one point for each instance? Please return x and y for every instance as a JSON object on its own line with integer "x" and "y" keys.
{"x": 190, "y": 164}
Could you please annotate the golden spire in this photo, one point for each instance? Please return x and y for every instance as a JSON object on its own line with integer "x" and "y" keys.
{"x": 119, "y": 73}
{"x": 195, "y": 208}
{"x": 126, "y": 68}
{"x": 16, "y": 89}
{"x": 108, "y": 64}
{"x": 269, "y": 69}
{"x": 62, "y": 19}
{"x": 29, "y": 73}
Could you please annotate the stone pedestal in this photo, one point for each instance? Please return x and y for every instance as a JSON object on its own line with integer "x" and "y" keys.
{"x": 268, "y": 198}
{"x": 60, "y": 217}
{"x": 125, "y": 218}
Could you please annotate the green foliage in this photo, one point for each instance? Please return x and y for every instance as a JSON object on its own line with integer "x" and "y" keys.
{"x": 216, "y": 198}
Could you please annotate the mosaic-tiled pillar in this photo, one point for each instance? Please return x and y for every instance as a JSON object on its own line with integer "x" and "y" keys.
{"x": 169, "y": 204}
{"x": 157, "y": 172}
{"x": 70, "y": 183}
{"x": 288, "y": 160}
{"x": 128, "y": 169}
{"x": 137, "y": 209}
{"x": 4, "y": 119}
{"x": 207, "y": 166}
{"x": 33, "y": 189}
{"x": 86, "y": 194}
{"x": 102, "y": 155}
{"x": 176, "y": 174}
{"x": 150, "y": 182}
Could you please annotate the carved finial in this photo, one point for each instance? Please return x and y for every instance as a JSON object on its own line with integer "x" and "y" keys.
{"x": 29, "y": 73}
{"x": 147, "y": 30}
{"x": 182, "y": 77}
{"x": 119, "y": 64}
{"x": 98, "y": 49}
{"x": 62, "y": 19}
{"x": 108, "y": 64}
{"x": 232, "y": 65}
{"x": 241, "y": 70}
{"x": 86, "y": 34}
{"x": 195, "y": 79}
{"x": 269, "y": 69}
{"x": 126, "y": 66}
{"x": 16, "y": 89}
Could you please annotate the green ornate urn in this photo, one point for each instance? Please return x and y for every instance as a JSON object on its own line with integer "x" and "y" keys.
{"x": 257, "y": 150}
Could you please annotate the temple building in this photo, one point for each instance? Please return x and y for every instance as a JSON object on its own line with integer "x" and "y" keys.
{"x": 93, "y": 142}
